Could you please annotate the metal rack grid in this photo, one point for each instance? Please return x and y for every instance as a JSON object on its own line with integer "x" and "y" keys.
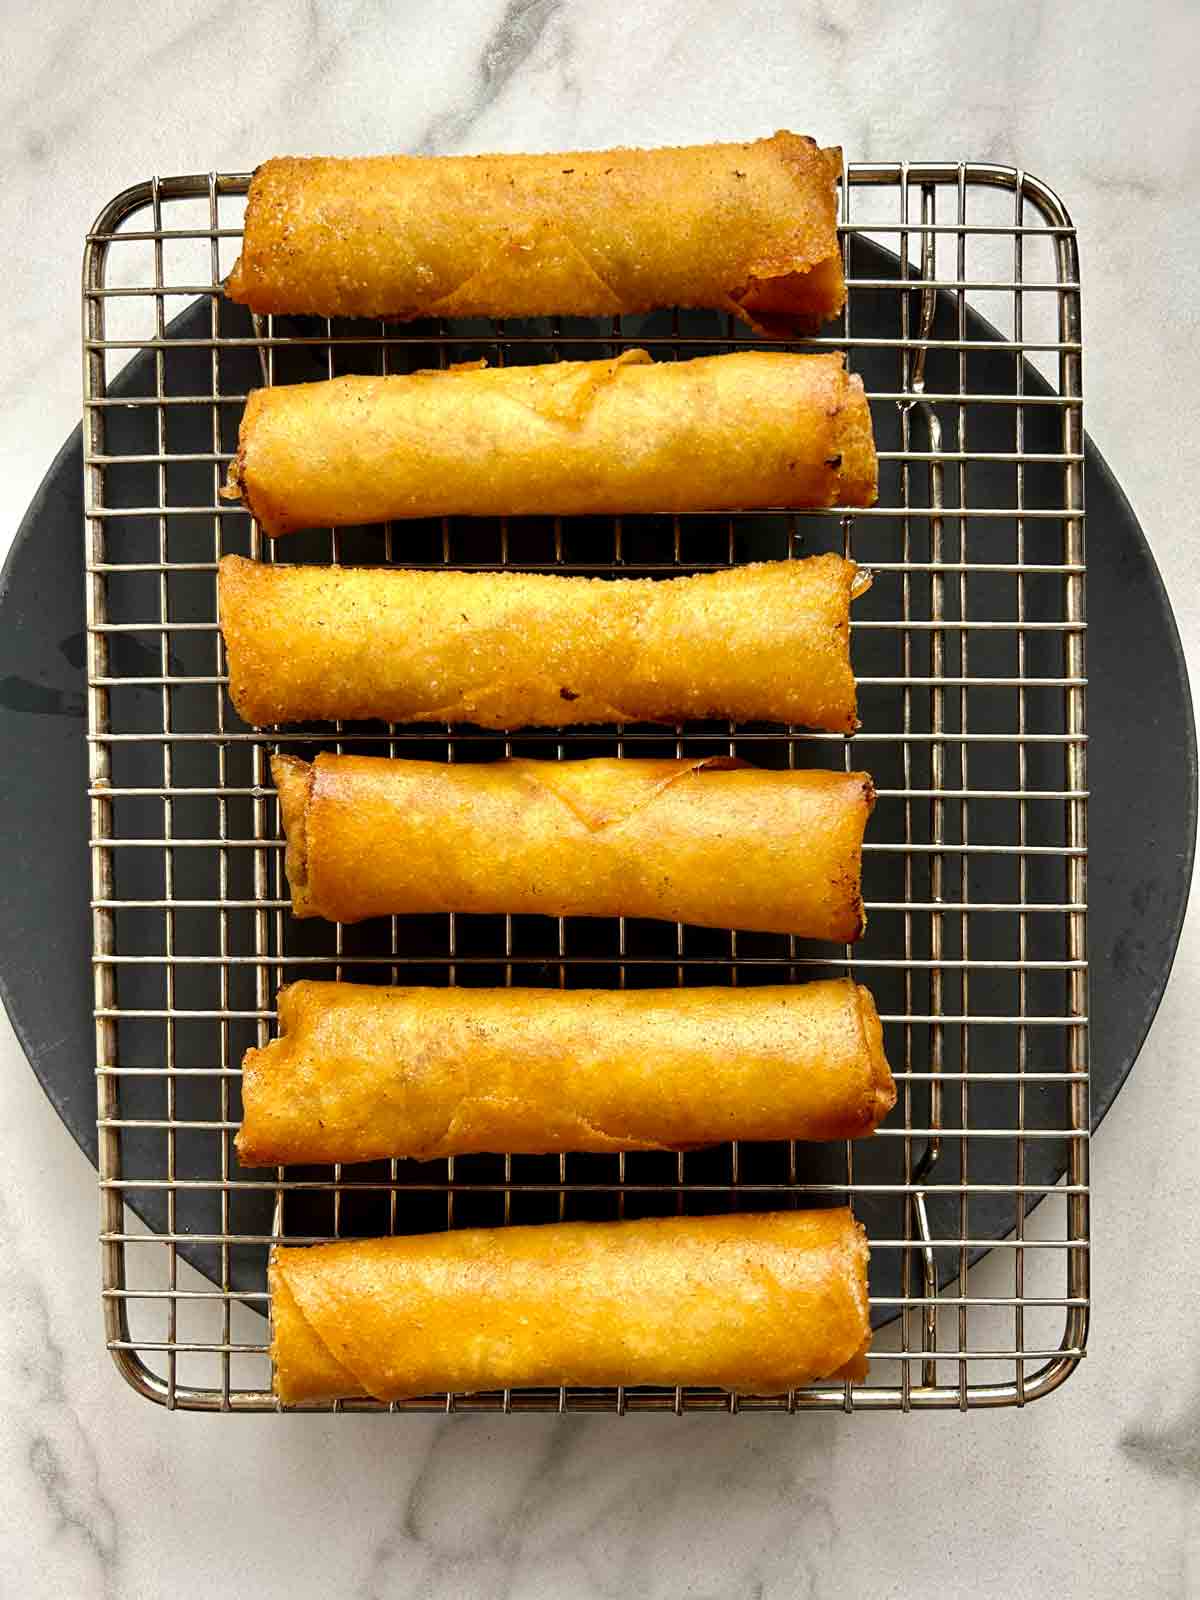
{"x": 970, "y": 653}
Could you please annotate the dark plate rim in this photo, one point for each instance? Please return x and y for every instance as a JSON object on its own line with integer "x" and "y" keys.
{"x": 1101, "y": 1105}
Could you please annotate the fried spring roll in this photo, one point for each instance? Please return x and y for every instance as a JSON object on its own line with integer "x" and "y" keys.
{"x": 749, "y": 228}
{"x": 755, "y": 1302}
{"x": 361, "y": 1073}
{"x": 709, "y": 841}
{"x": 749, "y": 429}
{"x": 767, "y": 642}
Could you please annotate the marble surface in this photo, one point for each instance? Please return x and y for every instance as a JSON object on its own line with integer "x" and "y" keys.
{"x": 1092, "y": 1492}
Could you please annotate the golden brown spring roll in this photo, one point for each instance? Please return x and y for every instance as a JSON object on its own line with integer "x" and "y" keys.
{"x": 756, "y": 1302}
{"x": 708, "y": 841}
{"x": 749, "y": 429}
{"x": 749, "y": 228}
{"x": 360, "y": 1073}
{"x": 768, "y": 642}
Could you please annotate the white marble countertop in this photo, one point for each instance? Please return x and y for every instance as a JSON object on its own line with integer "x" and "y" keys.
{"x": 1091, "y": 1492}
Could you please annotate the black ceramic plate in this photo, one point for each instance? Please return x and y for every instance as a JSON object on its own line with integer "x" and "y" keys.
{"x": 1142, "y": 775}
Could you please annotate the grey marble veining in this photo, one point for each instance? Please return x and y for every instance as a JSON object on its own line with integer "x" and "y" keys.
{"x": 1091, "y": 1493}
{"x": 55, "y": 1459}
{"x": 1169, "y": 1447}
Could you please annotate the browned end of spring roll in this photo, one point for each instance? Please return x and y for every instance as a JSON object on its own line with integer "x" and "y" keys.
{"x": 708, "y": 841}
{"x": 767, "y": 642}
{"x": 759, "y": 1303}
{"x": 749, "y": 228}
{"x": 360, "y": 1073}
{"x": 748, "y": 429}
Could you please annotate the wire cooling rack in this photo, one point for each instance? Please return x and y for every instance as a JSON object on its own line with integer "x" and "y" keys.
{"x": 970, "y": 653}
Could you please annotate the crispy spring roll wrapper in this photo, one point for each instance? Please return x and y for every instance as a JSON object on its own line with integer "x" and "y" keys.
{"x": 709, "y": 841}
{"x": 749, "y": 429}
{"x": 756, "y": 1302}
{"x": 768, "y": 642}
{"x": 360, "y": 1073}
{"x": 749, "y": 228}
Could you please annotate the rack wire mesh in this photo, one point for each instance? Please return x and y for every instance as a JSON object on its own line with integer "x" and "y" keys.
{"x": 970, "y": 655}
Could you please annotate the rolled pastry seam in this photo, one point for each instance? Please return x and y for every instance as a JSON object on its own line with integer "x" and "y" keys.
{"x": 360, "y": 1073}
{"x": 768, "y": 642}
{"x": 710, "y": 841}
{"x": 749, "y": 429}
{"x": 749, "y": 228}
{"x": 755, "y": 1302}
